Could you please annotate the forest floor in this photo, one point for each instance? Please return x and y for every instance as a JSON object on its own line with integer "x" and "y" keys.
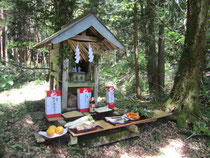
{"x": 22, "y": 114}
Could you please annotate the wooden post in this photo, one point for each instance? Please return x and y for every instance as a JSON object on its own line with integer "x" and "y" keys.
{"x": 96, "y": 77}
{"x": 73, "y": 140}
{"x": 51, "y": 77}
{"x": 65, "y": 84}
{"x": 59, "y": 78}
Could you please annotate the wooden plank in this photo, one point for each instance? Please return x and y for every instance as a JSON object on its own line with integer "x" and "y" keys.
{"x": 160, "y": 113}
{"x": 74, "y": 44}
{"x": 39, "y": 138}
{"x": 58, "y": 78}
{"x": 96, "y": 79}
{"x": 106, "y": 138}
{"x": 85, "y": 38}
{"x": 108, "y": 126}
{"x": 97, "y": 48}
{"x": 51, "y": 82}
{"x": 73, "y": 140}
{"x": 54, "y": 119}
{"x": 104, "y": 124}
{"x": 65, "y": 84}
{"x": 81, "y": 84}
{"x": 133, "y": 128}
{"x": 61, "y": 122}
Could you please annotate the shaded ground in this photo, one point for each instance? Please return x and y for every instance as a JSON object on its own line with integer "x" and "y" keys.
{"x": 22, "y": 113}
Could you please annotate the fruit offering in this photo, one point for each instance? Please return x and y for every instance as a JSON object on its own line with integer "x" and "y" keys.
{"x": 50, "y": 132}
{"x": 133, "y": 116}
{"x": 59, "y": 130}
{"x": 53, "y": 129}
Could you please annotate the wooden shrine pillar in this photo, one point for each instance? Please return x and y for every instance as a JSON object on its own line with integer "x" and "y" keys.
{"x": 51, "y": 78}
{"x": 96, "y": 78}
{"x": 65, "y": 82}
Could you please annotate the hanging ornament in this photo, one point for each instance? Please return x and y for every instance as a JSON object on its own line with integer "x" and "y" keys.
{"x": 90, "y": 53}
{"x": 77, "y": 53}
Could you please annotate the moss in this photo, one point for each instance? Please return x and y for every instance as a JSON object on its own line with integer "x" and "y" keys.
{"x": 180, "y": 117}
{"x": 104, "y": 137}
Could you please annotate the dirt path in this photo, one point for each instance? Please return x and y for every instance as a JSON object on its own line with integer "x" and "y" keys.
{"x": 19, "y": 108}
{"x": 29, "y": 92}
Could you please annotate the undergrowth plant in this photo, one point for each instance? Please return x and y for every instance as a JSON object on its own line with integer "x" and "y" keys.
{"x": 14, "y": 75}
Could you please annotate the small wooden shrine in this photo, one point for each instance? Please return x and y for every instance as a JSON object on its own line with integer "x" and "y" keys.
{"x": 67, "y": 74}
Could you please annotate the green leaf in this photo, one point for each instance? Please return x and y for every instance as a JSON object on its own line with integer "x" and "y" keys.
{"x": 205, "y": 131}
{"x": 3, "y": 85}
{"x": 17, "y": 146}
{"x": 10, "y": 82}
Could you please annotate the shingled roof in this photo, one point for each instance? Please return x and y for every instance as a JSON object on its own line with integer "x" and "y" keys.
{"x": 92, "y": 25}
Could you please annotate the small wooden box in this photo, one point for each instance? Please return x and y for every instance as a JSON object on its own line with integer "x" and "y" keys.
{"x": 78, "y": 76}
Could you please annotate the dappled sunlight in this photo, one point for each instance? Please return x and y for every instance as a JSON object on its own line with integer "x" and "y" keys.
{"x": 30, "y": 92}
{"x": 174, "y": 149}
{"x": 126, "y": 155}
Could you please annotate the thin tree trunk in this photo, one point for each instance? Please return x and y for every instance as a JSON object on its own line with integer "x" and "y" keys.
{"x": 15, "y": 55}
{"x": 4, "y": 44}
{"x": 138, "y": 91}
{"x": 4, "y": 39}
{"x": 37, "y": 59}
{"x": 151, "y": 51}
{"x": 184, "y": 95}
{"x": 1, "y": 18}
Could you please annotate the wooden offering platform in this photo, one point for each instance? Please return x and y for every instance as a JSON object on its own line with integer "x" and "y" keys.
{"x": 105, "y": 127}
{"x": 108, "y": 126}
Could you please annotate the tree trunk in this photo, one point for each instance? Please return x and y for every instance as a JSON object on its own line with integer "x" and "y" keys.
{"x": 161, "y": 57}
{"x": 1, "y": 18}
{"x": 138, "y": 91}
{"x": 4, "y": 39}
{"x": 15, "y": 56}
{"x": 37, "y": 59}
{"x": 184, "y": 95}
{"x": 151, "y": 50}
{"x": 161, "y": 61}
{"x": 63, "y": 13}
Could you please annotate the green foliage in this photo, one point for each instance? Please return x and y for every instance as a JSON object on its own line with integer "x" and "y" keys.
{"x": 7, "y": 77}
{"x": 14, "y": 76}
{"x": 199, "y": 128}
{"x": 77, "y": 151}
{"x": 144, "y": 112}
{"x": 20, "y": 44}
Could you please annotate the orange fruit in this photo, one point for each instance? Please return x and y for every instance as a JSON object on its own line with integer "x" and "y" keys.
{"x": 52, "y": 126}
{"x": 50, "y": 132}
{"x": 59, "y": 130}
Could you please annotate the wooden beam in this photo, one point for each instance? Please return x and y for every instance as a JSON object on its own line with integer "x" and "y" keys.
{"x": 65, "y": 84}
{"x": 59, "y": 77}
{"x": 96, "y": 46}
{"x": 133, "y": 128}
{"x": 85, "y": 38}
{"x": 96, "y": 78}
{"x": 84, "y": 33}
{"x": 51, "y": 82}
{"x": 73, "y": 44}
{"x": 106, "y": 138}
{"x": 39, "y": 138}
{"x": 73, "y": 140}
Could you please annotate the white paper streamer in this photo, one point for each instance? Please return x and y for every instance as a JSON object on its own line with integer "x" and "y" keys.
{"x": 77, "y": 53}
{"x": 90, "y": 53}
